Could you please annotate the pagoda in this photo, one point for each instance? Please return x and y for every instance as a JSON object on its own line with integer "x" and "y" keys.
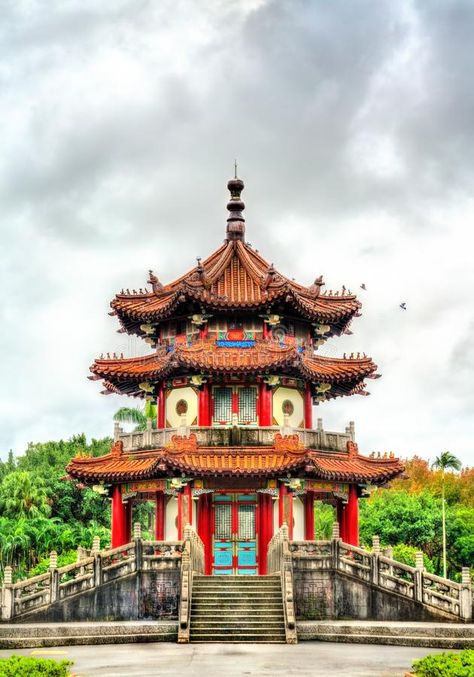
{"x": 234, "y": 374}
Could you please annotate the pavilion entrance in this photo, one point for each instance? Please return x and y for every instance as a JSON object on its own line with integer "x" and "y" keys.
{"x": 234, "y": 533}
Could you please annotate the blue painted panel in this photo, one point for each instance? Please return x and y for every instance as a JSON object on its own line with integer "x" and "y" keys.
{"x": 247, "y": 497}
{"x": 223, "y": 572}
{"x": 246, "y": 558}
{"x": 222, "y": 497}
{"x": 247, "y": 572}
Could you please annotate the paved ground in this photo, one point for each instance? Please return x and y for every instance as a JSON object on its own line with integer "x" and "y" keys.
{"x": 313, "y": 659}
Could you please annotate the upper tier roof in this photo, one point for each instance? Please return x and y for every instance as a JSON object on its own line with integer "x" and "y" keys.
{"x": 235, "y": 276}
{"x": 346, "y": 375}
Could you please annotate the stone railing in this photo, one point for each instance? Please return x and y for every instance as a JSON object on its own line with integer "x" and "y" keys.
{"x": 280, "y": 562}
{"x": 377, "y": 567}
{"x": 192, "y": 563}
{"x": 92, "y": 569}
{"x": 223, "y": 436}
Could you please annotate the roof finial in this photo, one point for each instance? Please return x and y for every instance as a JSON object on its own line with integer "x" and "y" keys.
{"x": 235, "y": 220}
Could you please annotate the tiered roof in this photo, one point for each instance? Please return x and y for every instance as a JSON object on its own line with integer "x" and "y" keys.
{"x": 183, "y": 455}
{"x": 345, "y": 375}
{"x": 234, "y": 277}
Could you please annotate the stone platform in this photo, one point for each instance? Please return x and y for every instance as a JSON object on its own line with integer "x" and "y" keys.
{"x": 432, "y": 635}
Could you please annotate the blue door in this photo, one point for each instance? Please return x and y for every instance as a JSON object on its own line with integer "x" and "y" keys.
{"x": 235, "y": 534}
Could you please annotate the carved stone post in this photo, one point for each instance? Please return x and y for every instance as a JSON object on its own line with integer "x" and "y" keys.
{"x": 95, "y": 544}
{"x": 374, "y": 561}
{"x": 419, "y": 565}
{"x": 137, "y": 537}
{"x": 8, "y": 595}
{"x": 335, "y": 545}
{"x": 54, "y": 577}
{"x": 466, "y": 595}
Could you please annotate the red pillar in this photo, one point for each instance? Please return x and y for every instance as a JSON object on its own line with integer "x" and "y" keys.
{"x": 281, "y": 503}
{"x": 204, "y": 405}
{"x": 352, "y": 516}
{"x": 128, "y": 520}
{"x": 265, "y": 508}
{"x": 341, "y": 519}
{"x": 160, "y": 508}
{"x": 267, "y": 332}
{"x": 119, "y": 518}
{"x": 161, "y": 422}
{"x": 185, "y": 509}
{"x": 285, "y": 508}
{"x": 204, "y": 529}
{"x": 308, "y": 407}
{"x": 265, "y": 404}
{"x": 309, "y": 516}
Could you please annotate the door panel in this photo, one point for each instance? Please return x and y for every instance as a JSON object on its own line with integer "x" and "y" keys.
{"x": 235, "y": 537}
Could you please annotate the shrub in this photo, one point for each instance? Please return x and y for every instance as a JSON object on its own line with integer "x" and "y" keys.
{"x": 446, "y": 665}
{"x": 406, "y": 554}
{"x": 24, "y": 666}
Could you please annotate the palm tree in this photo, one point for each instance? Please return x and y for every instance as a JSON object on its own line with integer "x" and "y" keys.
{"x": 445, "y": 461}
{"x": 137, "y": 416}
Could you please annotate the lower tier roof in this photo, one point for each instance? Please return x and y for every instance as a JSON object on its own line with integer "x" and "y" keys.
{"x": 183, "y": 455}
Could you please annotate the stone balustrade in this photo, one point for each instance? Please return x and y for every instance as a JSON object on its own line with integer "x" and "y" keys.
{"x": 375, "y": 568}
{"x": 91, "y": 570}
{"x": 224, "y": 436}
{"x": 280, "y": 562}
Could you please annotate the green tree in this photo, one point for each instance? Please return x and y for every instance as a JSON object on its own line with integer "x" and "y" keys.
{"x": 137, "y": 416}
{"x": 22, "y": 495}
{"x": 445, "y": 461}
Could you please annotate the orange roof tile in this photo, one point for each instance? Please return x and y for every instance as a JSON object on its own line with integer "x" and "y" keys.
{"x": 235, "y": 275}
{"x": 234, "y": 461}
{"x": 124, "y": 375}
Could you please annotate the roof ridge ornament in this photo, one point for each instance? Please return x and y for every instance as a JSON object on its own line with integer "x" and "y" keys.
{"x": 155, "y": 282}
{"x": 315, "y": 288}
{"x": 235, "y": 220}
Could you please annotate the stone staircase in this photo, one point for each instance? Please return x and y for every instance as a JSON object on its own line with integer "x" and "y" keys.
{"x": 237, "y": 609}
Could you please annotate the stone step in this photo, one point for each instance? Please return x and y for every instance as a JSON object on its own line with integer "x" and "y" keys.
{"x": 241, "y": 607}
{"x": 240, "y": 624}
{"x": 236, "y": 615}
{"x": 239, "y": 588}
{"x": 233, "y": 597}
{"x": 244, "y": 637}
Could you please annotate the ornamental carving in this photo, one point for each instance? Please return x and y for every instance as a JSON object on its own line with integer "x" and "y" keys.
{"x": 352, "y": 449}
{"x": 180, "y": 444}
{"x": 287, "y": 443}
{"x": 117, "y": 449}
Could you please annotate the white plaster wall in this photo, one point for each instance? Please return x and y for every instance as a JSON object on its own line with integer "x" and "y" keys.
{"x": 190, "y": 396}
{"x": 171, "y": 529}
{"x": 298, "y": 519}
{"x": 296, "y": 398}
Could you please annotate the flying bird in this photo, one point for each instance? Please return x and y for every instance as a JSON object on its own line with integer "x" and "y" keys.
{"x": 403, "y": 306}
{"x": 362, "y": 286}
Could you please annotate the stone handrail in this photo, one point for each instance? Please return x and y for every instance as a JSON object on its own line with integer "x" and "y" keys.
{"x": 233, "y": 436}
{"x": 91, "y": 570}
{"x": 280, "y": 561}
{"x": 377, "y": 568}
{"x": 192, "y": 562}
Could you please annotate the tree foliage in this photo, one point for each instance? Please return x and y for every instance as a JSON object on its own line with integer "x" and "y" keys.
{"x": 41, "y": 510}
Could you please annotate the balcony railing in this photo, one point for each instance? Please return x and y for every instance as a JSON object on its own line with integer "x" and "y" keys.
{"x": 224, "y": 436}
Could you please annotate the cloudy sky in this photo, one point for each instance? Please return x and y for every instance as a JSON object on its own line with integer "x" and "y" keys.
{"x": 353, "y": 126}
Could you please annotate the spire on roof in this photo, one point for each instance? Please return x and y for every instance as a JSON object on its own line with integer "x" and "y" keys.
{"x": 235, "y": 220}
